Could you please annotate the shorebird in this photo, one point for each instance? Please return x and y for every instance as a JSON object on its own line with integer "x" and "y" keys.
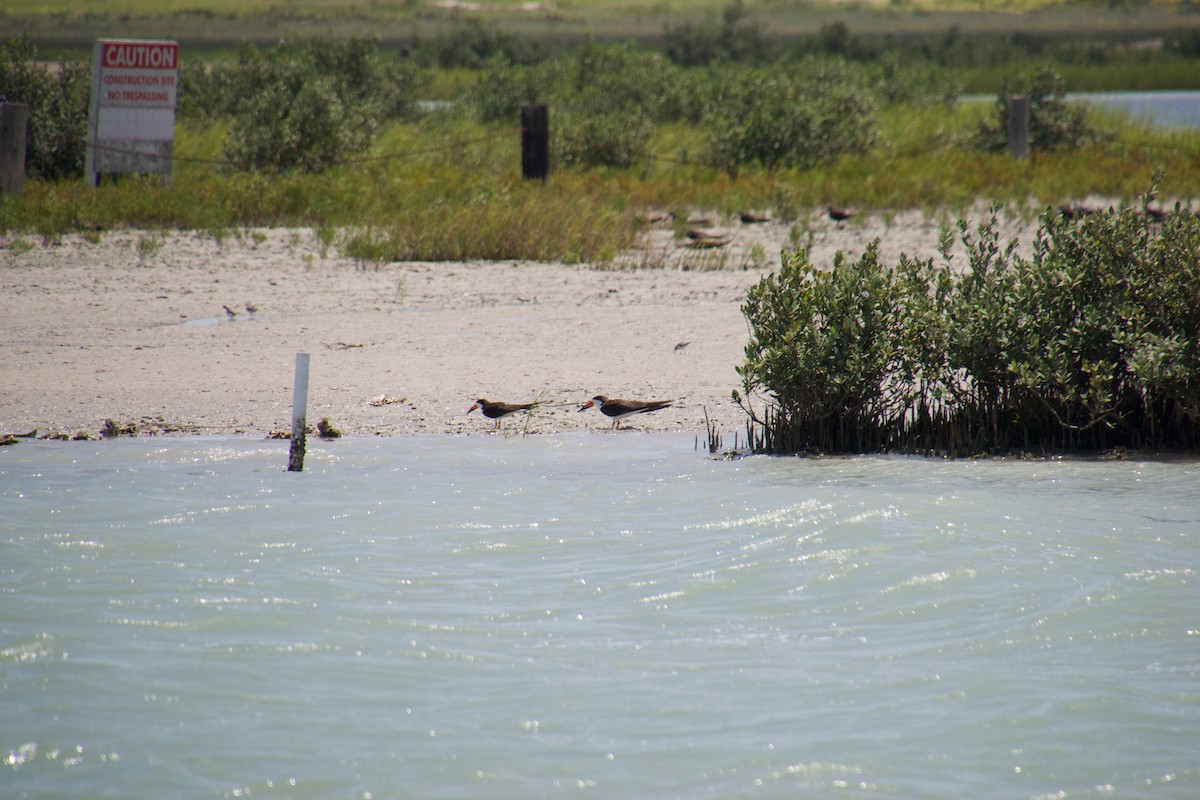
{"x": 704, "y": 239}
{"x": 617, "y": 409}
{"x": 1075, "y": 211}
{"x": 1154, "y": 214}
{"x": 229, "y": 312}
{"x": 701, "y": 234}
{"x": 839, "y": 214}
{"x": 498, "y": 410}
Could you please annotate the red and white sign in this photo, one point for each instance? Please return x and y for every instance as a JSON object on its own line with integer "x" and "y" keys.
{"x": 131, "y": 118}
{"x": 137, "y": 89}
{"x": 133, "y": 54}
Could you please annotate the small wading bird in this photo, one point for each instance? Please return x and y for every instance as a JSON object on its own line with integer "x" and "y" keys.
{"x": 839, "y": 214}
{"x": 497, "y": 411}
{"x": 617, "y": 409}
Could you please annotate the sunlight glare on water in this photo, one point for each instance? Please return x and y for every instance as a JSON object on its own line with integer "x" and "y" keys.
{"x": 448, "y": 617}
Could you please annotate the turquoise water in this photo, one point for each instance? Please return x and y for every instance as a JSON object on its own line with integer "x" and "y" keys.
{"x": 592, "y": 615}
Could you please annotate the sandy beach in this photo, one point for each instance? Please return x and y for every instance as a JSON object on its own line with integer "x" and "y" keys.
{"x": 182, "y": 333}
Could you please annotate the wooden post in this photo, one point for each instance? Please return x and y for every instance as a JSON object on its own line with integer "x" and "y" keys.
{"x": 299, "y": 414}
{"x": 535, "y": 141}
{"x": 1018, "y": 127}
{"x": 14, "y": 126}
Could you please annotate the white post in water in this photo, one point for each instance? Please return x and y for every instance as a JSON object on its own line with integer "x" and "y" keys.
{"x": 299, "y": 414}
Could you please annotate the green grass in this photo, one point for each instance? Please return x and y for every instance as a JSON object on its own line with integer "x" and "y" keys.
{"x": 1128, "y": 72}
{"x": 449, "y": 189}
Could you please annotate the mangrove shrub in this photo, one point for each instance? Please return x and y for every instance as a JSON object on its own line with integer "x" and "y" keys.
{"x": 303, "y": 106}
{"x": 1054, "y": 122}
{"x": 1091, "y": 343}
{"x": 58, "y": 108}
{"x": 797, "y": 119}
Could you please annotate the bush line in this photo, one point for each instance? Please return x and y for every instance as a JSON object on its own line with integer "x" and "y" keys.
{"x": 1090, "y": 344}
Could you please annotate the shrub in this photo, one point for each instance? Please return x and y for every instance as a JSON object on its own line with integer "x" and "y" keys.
{"x": 301, "y": 126}
{"x": 602, "y": 78}
{"x": 603, "y": 101}
{"x": 1110, "y": 345}
{"x": 898, "y": 81}
{"x": 825, "y": 345}
{"x": 473, "y": 44}
{"x": 1054, "y": 123}
{"x": 617, "y": 138}
{"x": 780, "y": 121}
{"x": 1091, "y": 343}
{"x": 736, "y": 38}
{"x": 503, "y": 88}
{"x": 306, "y": 106}
{"x": 58, "y": 109}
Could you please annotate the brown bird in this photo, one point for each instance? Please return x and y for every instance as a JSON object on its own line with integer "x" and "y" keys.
{"x": 497, "y": 411}
{"x": 839, "y": 214}
{"x": 617, "y": 409}
{"x": 705, "y": 239}
{"x": 753, "y": 217}
{"x": 1154, "y": 214}
{"x": 1075, "y": 211}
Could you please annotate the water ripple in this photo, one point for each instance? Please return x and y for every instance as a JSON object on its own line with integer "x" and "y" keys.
{"x": 617, "y": 614}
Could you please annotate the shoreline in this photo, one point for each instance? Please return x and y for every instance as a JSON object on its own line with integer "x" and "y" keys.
{"x": 181, "y": 333}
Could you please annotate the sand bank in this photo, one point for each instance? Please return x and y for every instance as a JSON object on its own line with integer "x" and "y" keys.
{"x": 135, "y": 328}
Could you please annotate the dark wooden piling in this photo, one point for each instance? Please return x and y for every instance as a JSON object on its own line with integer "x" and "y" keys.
{"x": 535, "y": 141}
{"x": 1018, "y": 127}
{"x": 14, "y": 126}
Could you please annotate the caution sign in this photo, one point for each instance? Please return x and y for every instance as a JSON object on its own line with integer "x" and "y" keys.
{"x": 131, "y": 122}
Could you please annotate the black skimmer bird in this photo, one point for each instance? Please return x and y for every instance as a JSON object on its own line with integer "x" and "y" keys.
{"x": 497, "y": 411}
{"x": 1075, "y": 211}
{"x": 1154, "y": 214}
{"x": 617, "y": 409}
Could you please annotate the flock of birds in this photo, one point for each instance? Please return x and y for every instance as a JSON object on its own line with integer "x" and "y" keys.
{"x": 614, "y": 408}
{"x": 1073, "y": 212}
{"x": 700, "y": 237}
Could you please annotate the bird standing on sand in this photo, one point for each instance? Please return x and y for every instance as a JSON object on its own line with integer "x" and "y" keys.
{"x": 1075, "y": 211}
{"x": 839, "y": 214}
{"x": 618, "y": 409}
{"x": 497, "y": 411}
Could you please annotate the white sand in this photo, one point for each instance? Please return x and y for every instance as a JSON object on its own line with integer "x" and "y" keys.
{"x": 117, "y": 330}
